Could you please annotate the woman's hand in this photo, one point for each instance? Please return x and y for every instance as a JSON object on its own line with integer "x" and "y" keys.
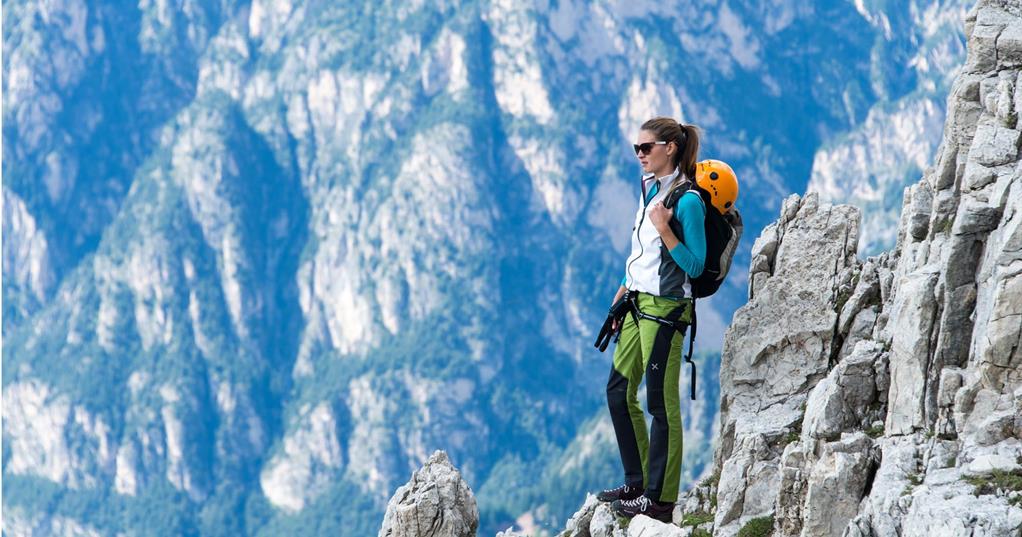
{"x": 660, "y": 216}
{"x": 617, "y": 296}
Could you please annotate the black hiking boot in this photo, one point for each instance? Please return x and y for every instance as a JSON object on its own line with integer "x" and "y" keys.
{"x": 624, "y": 492}
{"x": 642, "y": 505}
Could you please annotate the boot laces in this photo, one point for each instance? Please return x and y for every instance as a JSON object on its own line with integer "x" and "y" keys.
{"x": 642, "y": 503}
{"x": 618, "y": 490}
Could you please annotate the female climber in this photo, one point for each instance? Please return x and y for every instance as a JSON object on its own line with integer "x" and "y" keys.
{"x": 668, "y": 246}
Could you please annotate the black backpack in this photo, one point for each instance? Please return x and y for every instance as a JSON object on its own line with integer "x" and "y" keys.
{"x": 722, "y": 235}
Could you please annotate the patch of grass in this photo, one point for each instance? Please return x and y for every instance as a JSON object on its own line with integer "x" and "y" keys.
{"x": 712, "y": 480}
{"x": 997, "y": 480}
{"x": 951, "y": 462}
{"x": 796, "y": 429}
{"x": 842, "y": 298}
{"x": 695, "y": 519}
{"x": 914, "y": 480}
{"x": 946, "y": 225}
{"x": 700, "y": 532}
{"x": 758, "y": 527}
{"x": 875, "y": 432}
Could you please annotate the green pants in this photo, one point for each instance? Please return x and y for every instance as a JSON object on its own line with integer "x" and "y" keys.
{"x": 651, "y": 461}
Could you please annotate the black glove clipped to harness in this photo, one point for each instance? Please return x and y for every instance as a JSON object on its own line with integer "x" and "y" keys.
{"x": 617, "y": 312}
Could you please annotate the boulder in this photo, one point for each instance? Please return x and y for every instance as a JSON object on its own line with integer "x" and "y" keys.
{"x": 578, "y": 524}
{"x": 840, "y": 402}
{"x": 436, "y": 502}
{"x": 836, "y": 484}
{"x": 994, "y": 145}
{"x": 604, "y": 523}
{"x": 912, "y": 317}
{"x": 643, "y": 526}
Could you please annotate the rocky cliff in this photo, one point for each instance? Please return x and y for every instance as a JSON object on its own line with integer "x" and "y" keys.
{"x": 882, "y": 396}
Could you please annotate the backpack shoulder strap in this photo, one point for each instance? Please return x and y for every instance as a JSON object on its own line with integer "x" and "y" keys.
{"x": 691, "y": 345}
{"x": 672, "y": 197}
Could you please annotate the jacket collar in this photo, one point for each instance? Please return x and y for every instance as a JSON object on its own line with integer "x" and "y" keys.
{"x": 653, "y": 187}
{"x": 667, "y": 180}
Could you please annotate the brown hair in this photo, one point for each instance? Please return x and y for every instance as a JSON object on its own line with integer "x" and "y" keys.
{"x": 686, "y": 137}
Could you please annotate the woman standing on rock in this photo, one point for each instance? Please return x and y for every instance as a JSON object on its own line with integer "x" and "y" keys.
{"x": 665, "y": 253}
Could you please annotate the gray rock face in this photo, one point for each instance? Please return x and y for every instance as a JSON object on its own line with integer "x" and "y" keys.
{"x": 604, "y": 523}
{"x": 436, "y": 502}
{"x": 845, "y": 399}
{"x": 876, "y": 397}
{"x": 836, "y": 482}
{"x": 578, "y": 524}
{"x": 779, "y": 347}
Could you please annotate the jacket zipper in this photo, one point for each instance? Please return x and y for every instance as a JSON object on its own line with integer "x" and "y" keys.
{"x": 638, "y": 231}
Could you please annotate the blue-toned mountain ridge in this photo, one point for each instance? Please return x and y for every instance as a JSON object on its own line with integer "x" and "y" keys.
{"x": 261, "y": 259}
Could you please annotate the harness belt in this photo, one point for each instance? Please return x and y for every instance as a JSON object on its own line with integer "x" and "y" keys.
{"x": 628, "y": 304}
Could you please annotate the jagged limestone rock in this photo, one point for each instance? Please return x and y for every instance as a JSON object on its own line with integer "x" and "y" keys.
{"x": 792, "y": 490}
{"x": 643, "y": 526}
{"x": 920, "y": 197}
{"x": 779, "y": 346}
{"x": 835, "y": 485}
{"x": 436, "y": 502}
{"x": 604, "y": 523}
{"x": 578, "y": 524}
{"x": 928, "y": 338}
{"x": 596, "y": 519}
{"x": 842, "y": 401}
{"x": 1009, "y": 45}
{"x": 989, "y": 463}
{"x": 913, "y": 314}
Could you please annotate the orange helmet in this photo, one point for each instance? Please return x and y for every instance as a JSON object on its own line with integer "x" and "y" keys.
{"x": 717, "y": 178}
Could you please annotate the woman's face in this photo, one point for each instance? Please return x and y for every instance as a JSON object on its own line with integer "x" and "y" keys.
{"x": 658, "y": 160}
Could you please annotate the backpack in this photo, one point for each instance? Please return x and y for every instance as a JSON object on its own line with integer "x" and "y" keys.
{"x": 722, "y": 235}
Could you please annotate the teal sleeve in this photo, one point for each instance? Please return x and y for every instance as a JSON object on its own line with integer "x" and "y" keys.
{"x": 623, "y": 280}
{"x": 690, "y": 253}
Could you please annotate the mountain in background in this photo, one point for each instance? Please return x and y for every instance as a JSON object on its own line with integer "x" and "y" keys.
{"x": 261, "y": 259}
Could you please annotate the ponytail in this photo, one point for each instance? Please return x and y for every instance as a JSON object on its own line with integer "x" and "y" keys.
{"x": 685, "y": 137}
{"x": 688, "y": 153}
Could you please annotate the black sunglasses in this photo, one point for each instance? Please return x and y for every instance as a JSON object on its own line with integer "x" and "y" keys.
{"x": 646, "y": 147}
